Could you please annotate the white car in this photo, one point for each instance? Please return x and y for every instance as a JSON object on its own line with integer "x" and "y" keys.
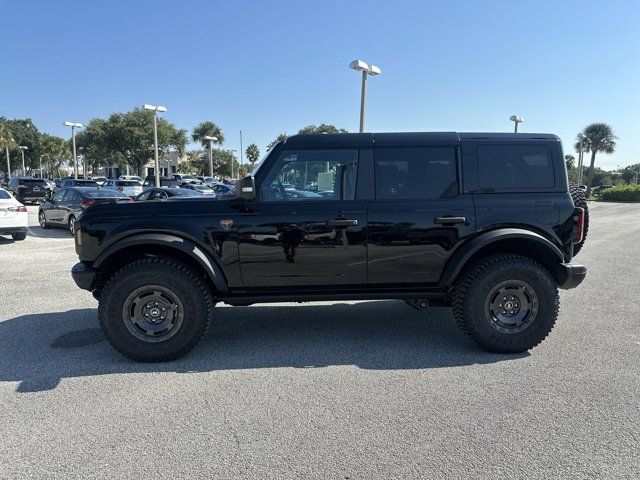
{"x": 129, "y": 187}
{"x": 135, "y": 178}
{"x": 13, "y": 216}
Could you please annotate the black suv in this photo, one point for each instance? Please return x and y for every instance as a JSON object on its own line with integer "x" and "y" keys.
{"x": 29, "y": 189}
{"x": 485, "y": 223}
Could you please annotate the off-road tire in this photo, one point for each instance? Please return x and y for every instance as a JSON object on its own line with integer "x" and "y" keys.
{"x": 579, "y": 200}
{"x": 19, "y": 235}
{"x": 189, "y": 288}
{"x": 471, "y": 293}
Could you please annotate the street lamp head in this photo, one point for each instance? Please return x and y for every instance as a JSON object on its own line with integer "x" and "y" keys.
{"x": 373, "y": 70}
{"x": 516, "y": 118}
{"x": 157, "y": 108}
{"x": 22, "y": 147}
{"x": 359, "y": 65}
{"x": 210, "y": 138}
{"x": 73, "y": 124}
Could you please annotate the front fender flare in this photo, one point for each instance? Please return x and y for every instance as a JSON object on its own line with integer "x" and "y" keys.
{"x": 462, "y": 255}
{"x": 189, "y": 247}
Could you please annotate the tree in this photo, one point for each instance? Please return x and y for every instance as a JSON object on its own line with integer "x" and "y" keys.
{"x": 204, "y": 129}
{"x": 95, "y": 143}
{"x": 630, "y": 173}
{"x": 322, "y": 128}
{"x": 131, "y": 135}
{"x": 278, "y": 139}
{"x": 25, "y": 133}
{"x": 253, "y": 154}
{"x": 56, "y": 151}
{"x": 7, "y": 143}
{"x": 571, "y": 161}
{"x": 600, "y": 138}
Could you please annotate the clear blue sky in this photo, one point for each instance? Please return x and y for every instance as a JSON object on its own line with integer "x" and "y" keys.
{"x": 271, "y": 67}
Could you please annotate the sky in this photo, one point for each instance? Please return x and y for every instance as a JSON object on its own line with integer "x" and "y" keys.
{"x": 267, "y": 67}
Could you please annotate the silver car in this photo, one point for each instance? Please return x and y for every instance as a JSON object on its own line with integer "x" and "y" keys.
{"x": 130, "y": 188}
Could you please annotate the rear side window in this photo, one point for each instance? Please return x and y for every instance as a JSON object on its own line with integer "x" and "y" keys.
{"x": 4, "y": 195}
{"x": 415, "y": 173}
{"x": 514, "y": 166}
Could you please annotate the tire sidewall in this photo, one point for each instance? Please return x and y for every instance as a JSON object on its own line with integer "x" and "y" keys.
{"x": 480, "y": 325}
{"x": 183, "y": 285}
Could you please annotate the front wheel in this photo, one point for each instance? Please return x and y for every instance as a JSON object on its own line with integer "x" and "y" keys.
{"x": 506, "y": 303}
{"x": 155, "y": 309}
{"x": 42, "y": 220}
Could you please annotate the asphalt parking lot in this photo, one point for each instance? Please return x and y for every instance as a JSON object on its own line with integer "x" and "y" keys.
{"x": 325, "y": 390}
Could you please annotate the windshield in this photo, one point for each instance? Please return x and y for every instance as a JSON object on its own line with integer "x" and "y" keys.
{"x": 128, "y": 183}
{"x": 190, "y": 177}
{"x": 259, "y": 164}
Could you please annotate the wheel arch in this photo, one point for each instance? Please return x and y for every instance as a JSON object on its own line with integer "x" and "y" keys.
{"x": 137, "y": 246}
{"x": 505, "y": 240}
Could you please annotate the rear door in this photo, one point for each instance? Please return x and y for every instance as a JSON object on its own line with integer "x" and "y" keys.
{"x": 54, "y": 213}
{"x": 418, "y": 215}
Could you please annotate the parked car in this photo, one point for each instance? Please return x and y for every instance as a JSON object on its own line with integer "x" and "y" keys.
{"x": 13, "y": 216}
{"x": 183, "y": 178}
{"x": 128, "y": 187}
{"x": 485, "y": 223}
{"x": 29, "y": 189}
{"x": 597, "y": 191}
{"x": 150, "y": 181}
{"x": 135, "y": 178}
{"x": 100, "y": 180}
{"x": 201, "y": 189}
{"x": 80, "y": 182}
{"x": 155, "y": 193}
{"x": 68, "y": 204}
{"x": 209, "y": 181}
{"x": 222, "y": 190}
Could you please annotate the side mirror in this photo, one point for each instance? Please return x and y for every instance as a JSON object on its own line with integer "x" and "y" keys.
{"x": 246, "y": 188}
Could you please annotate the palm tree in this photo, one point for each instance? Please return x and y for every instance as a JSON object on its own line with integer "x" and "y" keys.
{"x": 278, "y": 139}
{"x": 7, "y": 142}
{"x": 600, "y": 138}
{"x": 210, "y": 129}
{"x": 253, "y": 153}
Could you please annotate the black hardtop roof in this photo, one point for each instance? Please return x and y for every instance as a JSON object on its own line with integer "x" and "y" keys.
{"x": 407, "y": 138}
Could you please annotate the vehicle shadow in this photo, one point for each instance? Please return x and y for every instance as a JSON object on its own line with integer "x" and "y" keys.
{"x": 39, "y": 232}
{"x": 41, "y": 349}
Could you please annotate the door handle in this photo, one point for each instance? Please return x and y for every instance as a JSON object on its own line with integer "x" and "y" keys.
{"x": 342, "y": 222}
{"x": 449, "y": 220}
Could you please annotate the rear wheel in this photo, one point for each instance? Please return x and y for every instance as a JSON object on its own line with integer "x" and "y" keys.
{"x": 72, "y": 225}
{"x": 42, "y": 219}
{"x": 19, "y": 235}
{"x": 579, "y": 200}
{"x": 506, "y": 303}
{"x": 155, "y": 309}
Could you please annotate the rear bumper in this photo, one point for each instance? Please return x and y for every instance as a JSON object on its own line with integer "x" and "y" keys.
{"x": 84, "y": 276}
{"x": 5, "y": 230}
{"x": 570, "y": 276}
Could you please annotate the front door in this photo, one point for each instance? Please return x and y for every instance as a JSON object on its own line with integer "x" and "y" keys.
{"x": 418, "y": 216}
{"x": 305, "y": 228}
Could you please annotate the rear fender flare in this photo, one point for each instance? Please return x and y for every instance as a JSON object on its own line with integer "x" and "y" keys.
{"x": 463, "y": 254}
{"x": 213, "y": 270}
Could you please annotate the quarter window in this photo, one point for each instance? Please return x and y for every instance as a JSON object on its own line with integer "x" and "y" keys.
{"x": 415, "y": 173}
{"x": 514, "y": 166}
{"x": 312, "y": 175}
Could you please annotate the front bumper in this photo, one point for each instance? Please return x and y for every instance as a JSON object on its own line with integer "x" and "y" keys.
{"x": 84, "y": 276}
{"x": 570, "y": 276}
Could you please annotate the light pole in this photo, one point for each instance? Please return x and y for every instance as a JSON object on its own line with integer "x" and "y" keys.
{"x": 232, "y": 157}
{"x": 366, "y": 70}
{"x": 582, "y": 138}
{"x": 22, "y": 149}
{"x": 210, "y": 139}
{"x": 41, "y": 166}
{"x": 156, "y": 109}
{"x": 73, "y": 126}
{"x": 516, "y": 120}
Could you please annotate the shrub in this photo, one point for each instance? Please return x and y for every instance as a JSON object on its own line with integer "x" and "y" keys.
{"x": 621, "y": 193}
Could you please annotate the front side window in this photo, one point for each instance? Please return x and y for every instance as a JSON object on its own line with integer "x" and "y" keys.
{"x": 514, "y": 166}
{"x": 312, "y": 175}
{"x": 414, "y": 173}
{"x": 59, "y": 195}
